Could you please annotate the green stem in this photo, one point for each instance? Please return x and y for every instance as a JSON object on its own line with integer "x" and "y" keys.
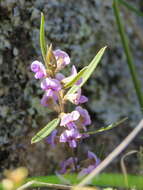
{"x": 128, "y": 54}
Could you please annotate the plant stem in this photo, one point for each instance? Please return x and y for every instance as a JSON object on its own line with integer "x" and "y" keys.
{"x": 61, "y": 104}
{"x": 74, "y": 159}
{"x": 128, "y": 54}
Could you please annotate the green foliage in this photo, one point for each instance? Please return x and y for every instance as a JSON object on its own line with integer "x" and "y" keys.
{"x": 109, "y": 127}
{"x": 90, "y": 68}
{"x": 103, "y": 180}
{"x": 42, "y": 37}
{"x": 45, "y": 131}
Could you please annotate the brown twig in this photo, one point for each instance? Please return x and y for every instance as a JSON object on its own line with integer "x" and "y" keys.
{"x": 124, "y": 170}
{"x": 50, "y": 185}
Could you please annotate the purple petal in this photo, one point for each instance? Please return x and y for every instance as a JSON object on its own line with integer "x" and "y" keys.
{"x": 74, "y": 71}
{"x": 62, "y": 58}
{"x": 69, "y": 117}
{"x": 39, "y": 75}
{"x": 68, "y": 163}
{"x": 63, "y": 137}
{"x": 79, "y": 81}
{"x": 72, "y": 144}
{"x": 70, "y": 136}
{"x": 77, "y": 98}
{"x": 50, "y": 83}
{"x": 35, "y": 66}
{"x": 49, "y": 98}
{"x": 60, "y": 76}
{"x": 45, "y": 100}
{"x": 85, "y": 115}
{"x": 83, "y": 99}
{"x": 71, "y": 125}
{"x": 75, "y": 115}
{"x": 39, "y": 69}
{"x": 91, "y": 155}
{"x": 51, "y": 138}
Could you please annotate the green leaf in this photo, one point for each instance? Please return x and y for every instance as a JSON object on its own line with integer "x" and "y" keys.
{"x": 111, "y": 126}
{"x": 76, "y": 78}
{"x": 102, "y": 180}
{"x": 90, "y": 68}
{"x": 45, "y": 131}
{"x": 42, "y": 37}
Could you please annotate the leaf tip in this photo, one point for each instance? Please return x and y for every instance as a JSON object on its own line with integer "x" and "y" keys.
{"x": 42, "y": 14}
{"x": 32, "y": 141}
{"x": 105, "y": 47}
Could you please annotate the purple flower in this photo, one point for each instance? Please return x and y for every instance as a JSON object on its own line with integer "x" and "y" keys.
{"x": 52, "y": 138}
{"x": 39, "y": 69}
{"x": 77, "y": 98}
{"x": 60, "y": 76}
{"x": 70, "y": 136}
{"x": 62, "y": 58}
{"x": 84, "y": 116}
{"x": 68, "y": 165}
{"x": 49, "y": 98}
{"x": 49, "y": 83}
{"x": 69, "y": 118}
{"x": 94, "y": 162}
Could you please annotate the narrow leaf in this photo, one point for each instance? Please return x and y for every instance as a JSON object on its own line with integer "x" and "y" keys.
{"x": 45, "y": 131}
{"x": 131, "y": 7}
{"x": 111, "y": 126}
{"x": 42, "y": 37}
{"x": 128, "y": 54}
{"x": 76, "y": 78}
{"x": 90, "y": 68}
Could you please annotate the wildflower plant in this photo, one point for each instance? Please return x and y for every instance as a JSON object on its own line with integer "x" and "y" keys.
{"x": 69, "y": 127}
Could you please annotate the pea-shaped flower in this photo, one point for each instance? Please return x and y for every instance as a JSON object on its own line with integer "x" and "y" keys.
{"x": 69, "y": 165}
{"x": 93, "y": 163}
{"x": 77, "y": 98}
{"x": 49, "y": 99}
{"x": 39, "y": 69}
{"x": 67, "y": 119}
{"x": 62, "y": 59}
{"x": 84, "y": 118}
{"x": 50, "y": 83}
{"x": 71, "y": 137}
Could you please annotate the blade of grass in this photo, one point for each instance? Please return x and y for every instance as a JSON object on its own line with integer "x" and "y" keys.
{"x": 42, "y": 37}
{"x": 128, "y": 53}
{"x": 106, "y": 128}
{"x": 131, "y": 8}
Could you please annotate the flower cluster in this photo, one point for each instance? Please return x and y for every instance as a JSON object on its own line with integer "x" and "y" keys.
{"x": 72, "y": 124}
{"x": 87, "y": 166}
